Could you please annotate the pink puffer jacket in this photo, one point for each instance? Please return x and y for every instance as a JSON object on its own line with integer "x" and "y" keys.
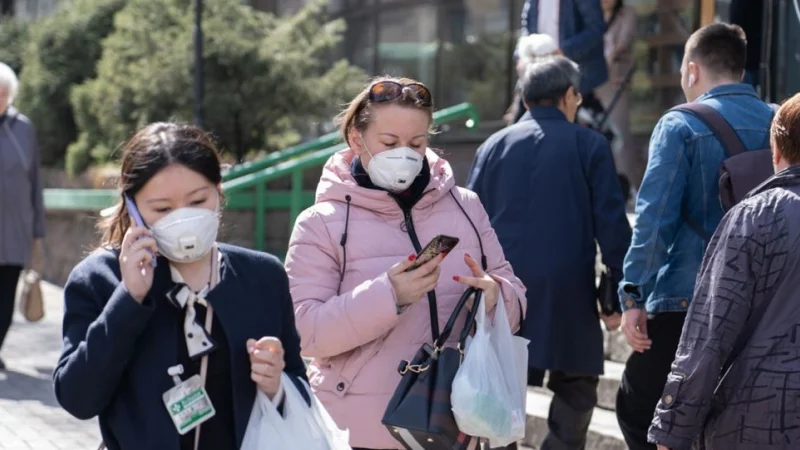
{"x": 352, "y": 329}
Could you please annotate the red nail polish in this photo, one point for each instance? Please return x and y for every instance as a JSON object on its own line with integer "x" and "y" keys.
{"x": 455, "y": 278}
{"x": 412, "y": 257}
{"x": 467, "y": 255}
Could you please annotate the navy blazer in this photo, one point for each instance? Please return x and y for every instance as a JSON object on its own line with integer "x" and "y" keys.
{"x": 117, "y": 351}
{"x": 551, "y": 191}
{"x": 581, "y": 31}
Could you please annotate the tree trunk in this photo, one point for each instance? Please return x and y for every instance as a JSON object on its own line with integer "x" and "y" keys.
{"x": 237, "y": 127}
{"x": 6, "y": 7}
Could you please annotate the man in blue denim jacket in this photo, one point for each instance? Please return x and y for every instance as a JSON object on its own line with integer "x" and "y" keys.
{"x": 681, "y": 179}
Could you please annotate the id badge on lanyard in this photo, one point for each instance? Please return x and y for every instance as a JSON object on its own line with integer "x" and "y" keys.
{"x": 188, "y": 403}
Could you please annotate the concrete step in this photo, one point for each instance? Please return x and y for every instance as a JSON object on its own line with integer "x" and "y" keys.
{"x": 616, "y": 348}
{"x": 606, "y": 389}
{"x": 604, "y": 433}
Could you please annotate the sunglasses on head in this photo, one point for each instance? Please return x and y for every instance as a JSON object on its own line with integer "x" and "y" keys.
{"x": 387, "y": 91}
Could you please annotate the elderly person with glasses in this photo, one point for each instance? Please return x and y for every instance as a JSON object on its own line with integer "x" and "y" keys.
{"x": 22, "y": 223}
{"x": 551, "y": 191}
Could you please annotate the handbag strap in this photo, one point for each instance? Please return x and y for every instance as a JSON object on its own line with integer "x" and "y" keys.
{"x": 438, "y": 344}
{"x": 471, "y": 316}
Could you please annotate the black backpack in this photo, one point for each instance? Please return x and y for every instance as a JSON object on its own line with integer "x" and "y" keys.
{"x": 740, "y": 172}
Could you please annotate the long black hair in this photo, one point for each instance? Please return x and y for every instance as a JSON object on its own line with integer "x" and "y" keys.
{"x": 153, "y": 148}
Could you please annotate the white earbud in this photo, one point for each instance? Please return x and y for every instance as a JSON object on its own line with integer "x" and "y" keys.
{"x": 691, "y": 80}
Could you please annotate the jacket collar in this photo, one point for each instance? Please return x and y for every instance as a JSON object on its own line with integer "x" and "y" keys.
{"x": 11, "y": 113}
{"x": 785, "y": 178}
{"x": 729, "y": 89}
{"x": 543, "y": 113}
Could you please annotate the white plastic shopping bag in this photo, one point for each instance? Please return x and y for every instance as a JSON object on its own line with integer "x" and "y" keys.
{"x": 481, "y": 400}
{"x": 300, "y": 428}
{"x": 512, "y": 353}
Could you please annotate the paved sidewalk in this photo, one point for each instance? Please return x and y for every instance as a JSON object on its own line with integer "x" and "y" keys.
{"x": 30, "y": 417}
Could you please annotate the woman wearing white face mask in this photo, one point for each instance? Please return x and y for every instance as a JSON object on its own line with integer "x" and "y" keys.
{"x": 162, "y": 304}
{"x": 378, "y": 203}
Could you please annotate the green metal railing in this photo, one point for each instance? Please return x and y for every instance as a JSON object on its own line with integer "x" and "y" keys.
{"x": 247, "y": 168}
{"x": 331, "y": 139}
{"x": 248, "y": 190}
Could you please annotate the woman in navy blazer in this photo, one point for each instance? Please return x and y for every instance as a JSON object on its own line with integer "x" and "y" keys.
{"x": 127, "y": 321}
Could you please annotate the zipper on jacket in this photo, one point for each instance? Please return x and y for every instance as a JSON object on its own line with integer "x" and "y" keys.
{"x": 412, "y": 234}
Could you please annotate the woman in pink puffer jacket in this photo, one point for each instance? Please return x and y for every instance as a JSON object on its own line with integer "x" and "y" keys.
{"x": 378, "y": 202}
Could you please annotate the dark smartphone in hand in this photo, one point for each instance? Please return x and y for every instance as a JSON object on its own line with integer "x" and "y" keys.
{"x": 437, "y": 245}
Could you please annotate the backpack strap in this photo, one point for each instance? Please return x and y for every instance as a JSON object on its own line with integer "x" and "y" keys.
{"x": 722, "y": 130}
{"x": 727, "y": 137}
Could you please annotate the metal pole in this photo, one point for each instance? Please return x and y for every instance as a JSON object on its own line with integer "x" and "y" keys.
{"x": 199, "y": 75}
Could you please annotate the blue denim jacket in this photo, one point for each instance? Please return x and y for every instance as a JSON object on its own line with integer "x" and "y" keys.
{"x": 665, "y": 254}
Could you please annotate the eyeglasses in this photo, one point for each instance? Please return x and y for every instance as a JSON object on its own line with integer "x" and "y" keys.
{"x": 387, "y": 91}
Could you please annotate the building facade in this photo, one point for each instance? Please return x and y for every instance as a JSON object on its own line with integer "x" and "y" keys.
{"x": 463, "y": 49}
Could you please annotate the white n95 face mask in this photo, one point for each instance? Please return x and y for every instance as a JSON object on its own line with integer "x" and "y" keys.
{"x": 395, "y": 169}
{"x": 186, "y": 234}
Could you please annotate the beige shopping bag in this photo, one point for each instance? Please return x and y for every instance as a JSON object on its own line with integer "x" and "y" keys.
{"x": 30, "y": 301}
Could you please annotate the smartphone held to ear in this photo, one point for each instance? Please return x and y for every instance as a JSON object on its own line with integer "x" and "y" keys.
{"x": 137, "y": 219}
{"x": 439, "y": 244}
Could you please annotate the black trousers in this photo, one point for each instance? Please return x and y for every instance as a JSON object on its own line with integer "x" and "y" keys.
{"x": 574, "y": 399}
{"x": 644, "y": 378}
{"x": 9, "y": 276}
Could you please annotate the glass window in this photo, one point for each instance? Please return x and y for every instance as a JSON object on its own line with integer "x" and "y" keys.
{"x": 476, "y": 56}
{"x": 664, "y": 27}
{"x": 359, "y": 42}
{"x": 407, "y": 43}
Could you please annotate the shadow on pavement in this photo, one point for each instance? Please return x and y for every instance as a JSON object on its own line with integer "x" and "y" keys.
{"x": 18, "y": 386}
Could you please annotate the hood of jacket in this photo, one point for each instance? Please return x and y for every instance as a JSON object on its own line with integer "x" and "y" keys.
{"x": 337, "y": 183}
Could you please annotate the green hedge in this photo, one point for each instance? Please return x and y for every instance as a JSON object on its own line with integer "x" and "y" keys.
{"x": 13, "y": 35}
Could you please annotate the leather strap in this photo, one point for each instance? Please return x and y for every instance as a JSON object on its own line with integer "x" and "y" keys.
{"x": 722, "y": 130}
{"x": 473, "y": 313}
{"x": 727, "y": 137}
{"x": 451, "y": 322}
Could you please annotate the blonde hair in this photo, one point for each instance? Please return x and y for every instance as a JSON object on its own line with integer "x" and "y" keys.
{"x": 358, "y": 114}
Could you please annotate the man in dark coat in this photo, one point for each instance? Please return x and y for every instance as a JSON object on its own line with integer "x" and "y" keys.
{"x": 577, "y": 26}
{"x": 551, "y": 192}
{"x": 745, "y": 316}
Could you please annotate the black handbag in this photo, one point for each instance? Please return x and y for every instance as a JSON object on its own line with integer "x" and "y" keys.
{"x": 419, "y": 414}
{"x": 607, "y": 295}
